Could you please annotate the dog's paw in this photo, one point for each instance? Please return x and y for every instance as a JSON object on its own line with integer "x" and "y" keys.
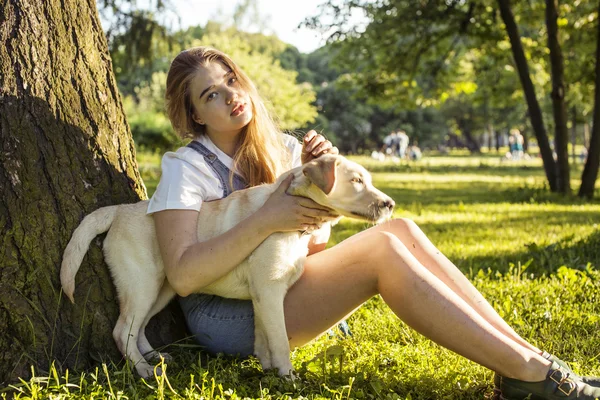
{"x": 146, "y": 370}
{"x": 265, "y": 360}
{"x": 165, "y": 356}
{"x": 290, "y": 375}
{"x": 155, "y": 356}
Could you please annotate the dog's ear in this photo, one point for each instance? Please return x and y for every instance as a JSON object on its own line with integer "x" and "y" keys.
{"x": 321, "y": 172}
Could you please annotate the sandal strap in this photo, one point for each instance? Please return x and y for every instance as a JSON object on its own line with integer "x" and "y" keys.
{"x": 564, "y": 383}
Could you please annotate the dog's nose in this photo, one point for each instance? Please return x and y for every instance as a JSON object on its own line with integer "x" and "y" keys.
{"x": 388, "y": 203}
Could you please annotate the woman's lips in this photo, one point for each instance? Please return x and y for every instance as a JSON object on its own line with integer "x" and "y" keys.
{"x": 237, "y": 110}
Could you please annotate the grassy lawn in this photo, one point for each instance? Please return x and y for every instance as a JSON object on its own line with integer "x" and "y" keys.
{"x": 533, "y": 255}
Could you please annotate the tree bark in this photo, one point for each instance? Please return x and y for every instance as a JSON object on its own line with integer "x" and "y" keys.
{"x": 590, "y": 171}
{"x": 573, "y": 134}
{"x": 66, "y": 150}
{"x": 561, "y": 135}
{"x": 535, "y": 113}
{"x": 498, "y": 135}
{"x": 464, "y": 125}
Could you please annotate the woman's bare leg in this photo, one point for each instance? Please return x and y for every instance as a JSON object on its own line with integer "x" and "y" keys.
{"x": 431, "y": 258}
{"x": 338, "y": 280}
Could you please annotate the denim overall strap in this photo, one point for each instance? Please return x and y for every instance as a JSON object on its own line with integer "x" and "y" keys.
{"x": 220, "y": 169}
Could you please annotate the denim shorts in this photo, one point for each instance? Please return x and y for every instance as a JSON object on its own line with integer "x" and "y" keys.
{"x": 220, "y": 325}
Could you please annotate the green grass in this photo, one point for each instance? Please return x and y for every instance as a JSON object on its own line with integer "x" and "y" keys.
{"x": 533, "y": 254}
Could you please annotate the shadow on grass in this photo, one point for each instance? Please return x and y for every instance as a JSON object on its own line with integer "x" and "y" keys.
{"x": 481, "y": 169}
{"x": 475, "y": 193}
{"x": 540, "y": 260}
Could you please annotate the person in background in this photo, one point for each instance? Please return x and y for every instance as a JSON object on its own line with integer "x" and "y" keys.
{"x": 402, "y": 143}
{"x": 516, "y": 142}
{"x": 390, "y": 143}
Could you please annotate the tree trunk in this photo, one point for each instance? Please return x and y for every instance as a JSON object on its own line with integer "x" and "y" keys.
{"x": 491, "y": 136}
{"x": 573, "y": 134}
{"x": 498, "y": 134}
{"x": 561, "y": 135}
{"x": 590, "y": 171}
{"x": 533, "y": 106}
{"x": 472, "y": 143}
{"x": 66, "y": 150}
{"x": 464, "y": 125}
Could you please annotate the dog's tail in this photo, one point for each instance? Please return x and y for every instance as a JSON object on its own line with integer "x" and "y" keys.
{"x": 92, "y": 225}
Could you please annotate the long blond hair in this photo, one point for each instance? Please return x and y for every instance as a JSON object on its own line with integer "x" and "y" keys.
{"x": 261, "y": 155}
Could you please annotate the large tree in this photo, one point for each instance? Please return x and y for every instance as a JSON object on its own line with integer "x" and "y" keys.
{"x": 590, "y": 171}
{"x": 535, "y": 113}
{"x": 66, "y": 150}
{"x": 561, "y": 135}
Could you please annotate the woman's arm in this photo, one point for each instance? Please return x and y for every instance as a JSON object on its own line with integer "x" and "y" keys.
{"x": 191, "y": 265}
{"x": 318, "y": 240}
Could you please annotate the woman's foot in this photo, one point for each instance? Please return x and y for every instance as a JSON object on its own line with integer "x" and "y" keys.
{"x": 559, "y": 384}
{"x": 590, "y": 380}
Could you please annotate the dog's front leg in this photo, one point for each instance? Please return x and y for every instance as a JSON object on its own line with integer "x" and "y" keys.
{"x": 165, "y": 295}
{"x": 268, "y": 309}
{"x": 261, "y": 343}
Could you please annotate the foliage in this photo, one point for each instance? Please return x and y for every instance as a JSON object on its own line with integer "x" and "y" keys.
{"x": 533, "y": 254}
{"x": 351, "y": 122}
{"x": 137, "y": 35}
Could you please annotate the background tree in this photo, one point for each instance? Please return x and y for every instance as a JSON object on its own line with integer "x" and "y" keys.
{"x": 561, "y": 135}
{"x": 590, "y": 172}
{"x": 535, "y": 112}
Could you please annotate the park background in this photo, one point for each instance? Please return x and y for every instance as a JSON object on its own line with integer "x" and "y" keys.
{"x": 445, "y": 72}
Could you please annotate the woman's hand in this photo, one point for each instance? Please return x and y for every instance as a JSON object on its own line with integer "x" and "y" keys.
{"x": 315, "y": 145}
{"x": 284, "y": 213}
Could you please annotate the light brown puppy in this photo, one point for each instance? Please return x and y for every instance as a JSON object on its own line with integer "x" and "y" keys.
{"x": 133, "y": 256}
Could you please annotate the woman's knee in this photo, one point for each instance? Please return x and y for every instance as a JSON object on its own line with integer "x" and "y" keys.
{"x": 402, "y": 227}
{"x": 389, "y": 245}
{"x": 394, "y": 257}
{"x": 405, "y": 224}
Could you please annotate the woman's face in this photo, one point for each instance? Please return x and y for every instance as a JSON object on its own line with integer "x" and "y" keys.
{"x": 219, "y": 102}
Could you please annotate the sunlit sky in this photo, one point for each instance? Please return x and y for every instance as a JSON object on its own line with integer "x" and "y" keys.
{"x": 282, "y": 18}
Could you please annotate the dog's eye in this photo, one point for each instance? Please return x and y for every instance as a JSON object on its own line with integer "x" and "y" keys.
{"x": 357, "y": 180}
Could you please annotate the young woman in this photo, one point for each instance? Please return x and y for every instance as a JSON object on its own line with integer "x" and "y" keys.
{"x": 210, "y": 100}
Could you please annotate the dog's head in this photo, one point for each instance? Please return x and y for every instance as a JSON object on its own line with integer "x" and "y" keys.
{"x": 344, "y": 186}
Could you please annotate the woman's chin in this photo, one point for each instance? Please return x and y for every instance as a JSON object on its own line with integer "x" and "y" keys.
{"x": 242, "y": 120}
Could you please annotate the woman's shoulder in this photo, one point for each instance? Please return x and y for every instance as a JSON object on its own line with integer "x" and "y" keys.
{"x": 295, "y": 148}
{"x": 290, "y": 141}
{"x": 184, "y": 155}
{"x": 186, "y": 181}
{"x": 187, "y": 164}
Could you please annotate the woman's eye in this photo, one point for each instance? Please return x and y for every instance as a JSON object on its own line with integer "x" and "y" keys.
{"x": 211, "y": 96}
{"x": 233, "y": 80}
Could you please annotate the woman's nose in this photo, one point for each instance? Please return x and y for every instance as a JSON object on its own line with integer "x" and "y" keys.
{"x": 231, "y": 96}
